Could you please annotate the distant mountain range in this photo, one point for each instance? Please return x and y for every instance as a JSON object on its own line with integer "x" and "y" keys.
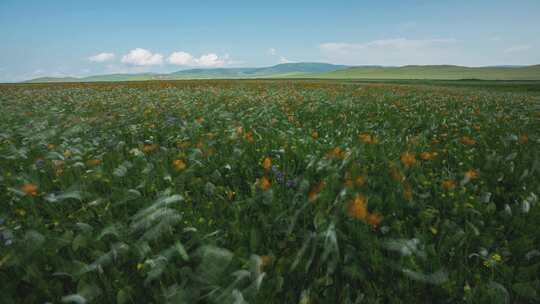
{"x": 326, "y": 71}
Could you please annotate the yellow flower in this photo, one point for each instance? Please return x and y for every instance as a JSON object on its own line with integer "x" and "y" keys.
{"x": 358, "y": 207}
{"x": 179, "y": 165}
{"x": 314, "y": 135}
{"x": 20, "y": 212}
{"x": 523, "y": 139}
{"x": 67, "y": 153}
{"x": 30, "y": 189}
{"x": 267, "y": 163}
{"x": 51, "y": 146}
{"x": 408, "y": 159}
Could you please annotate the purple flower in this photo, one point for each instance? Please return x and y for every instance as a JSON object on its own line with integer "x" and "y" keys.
{"x": 40, "y": 163}
{"x": 291, "y": 183}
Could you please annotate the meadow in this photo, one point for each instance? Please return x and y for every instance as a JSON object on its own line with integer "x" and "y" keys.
{"x": 260, "y": 191}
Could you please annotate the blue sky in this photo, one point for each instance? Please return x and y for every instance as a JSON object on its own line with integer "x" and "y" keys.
{"x": 78, "y": 38}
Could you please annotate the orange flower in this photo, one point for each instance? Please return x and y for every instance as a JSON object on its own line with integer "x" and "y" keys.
{"x": 374, "y": 219}
{"x": 408, "y": 159}
{"x": 428, "y": 155}
{"x": 466, "y": 140}
{"x": 367, "y": 138}
{"x": 94, "y": 162}
{"x": 200, "y": 120}
{"x": 147, "y": 148}
{"x": 472, "y": 174}
{"x": 314, "y": 192}
{"x": 396, "y": 174}
{"x": 337, "y": 152}
{"x": 265, "y": 260}
{"x": 249, "y": 136}
{"x": 523, "y": 139}
{"x": 179, "y": 164}
{"x": 407, "y": 191}
{"x": 358, "y": 207}
{"x": 448, "y": 184}
{"x": 51, "y": 146}
{"x": 314, "y": 135}
{"x": 30, "y": 189}
{"x": 267, "y": 163}
{"x": 360, "y": 181}
{"x": 264, "y": 183}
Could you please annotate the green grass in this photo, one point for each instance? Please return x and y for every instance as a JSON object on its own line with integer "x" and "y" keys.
{"x": 433, "y": 72}
{"x": 270, "y": 191}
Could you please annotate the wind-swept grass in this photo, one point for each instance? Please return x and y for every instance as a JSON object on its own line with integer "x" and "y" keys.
{"x": 268, "y": 192}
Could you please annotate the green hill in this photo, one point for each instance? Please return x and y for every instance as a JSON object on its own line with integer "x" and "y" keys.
{"x": 212, "y": 73}
{"x": 442, "y": 72}
{"x": 328, "y": 71}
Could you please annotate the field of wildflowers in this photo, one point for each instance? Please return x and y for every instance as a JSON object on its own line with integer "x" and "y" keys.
{"x": 268, "y": 192}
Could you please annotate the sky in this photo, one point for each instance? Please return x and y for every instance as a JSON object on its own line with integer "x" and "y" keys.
{"x": 80, "y": 38}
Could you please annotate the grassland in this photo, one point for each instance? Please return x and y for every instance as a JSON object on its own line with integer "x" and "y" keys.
{"x": 270, "y": 192}
{"x": 439, "y": 72}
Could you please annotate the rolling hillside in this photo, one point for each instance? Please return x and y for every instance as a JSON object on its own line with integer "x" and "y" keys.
{"x": 328, "y": 71}
{"x": 213, "y": 73}
{"x": 442, "y": 72}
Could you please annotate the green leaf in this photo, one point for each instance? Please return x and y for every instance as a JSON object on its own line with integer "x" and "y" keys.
{"x": 525, "y": 290}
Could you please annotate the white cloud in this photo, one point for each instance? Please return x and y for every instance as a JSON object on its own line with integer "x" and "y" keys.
{"x": 205, "y": 60}
{"x": 101, "y": 57}
{"x": 142, "y": 57}
{"x": 180, "y": 58}
{"x": 211, "y": 60}
{"x": 518, "y": 48}
{"x": 398, "y": 51}
{"x": 272, "y": 51}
